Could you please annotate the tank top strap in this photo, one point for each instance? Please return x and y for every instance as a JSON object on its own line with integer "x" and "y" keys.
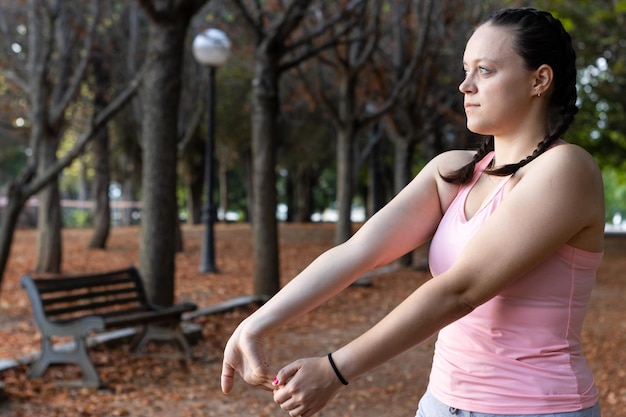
{"x": 479, "y": 168}
{"x": 484, "y": 163}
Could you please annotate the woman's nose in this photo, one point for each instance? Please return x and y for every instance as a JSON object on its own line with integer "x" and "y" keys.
{"x": 467, "y": 85}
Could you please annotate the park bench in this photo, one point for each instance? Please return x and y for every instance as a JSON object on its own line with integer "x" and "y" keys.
{"x": 80, "y": 305}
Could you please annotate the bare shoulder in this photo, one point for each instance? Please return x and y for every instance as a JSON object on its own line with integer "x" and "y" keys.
{"x": 449, "y": 161}
{"x": 569, "y": 162}
{"x": 567, "y": 176}
{"x": 571, "y": 152}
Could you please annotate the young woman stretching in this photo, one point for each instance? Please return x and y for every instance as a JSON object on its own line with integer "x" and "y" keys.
{"x": 517, "y": 233}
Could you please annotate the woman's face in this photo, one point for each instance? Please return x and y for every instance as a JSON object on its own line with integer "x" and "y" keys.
{"x": 498, "y": 87}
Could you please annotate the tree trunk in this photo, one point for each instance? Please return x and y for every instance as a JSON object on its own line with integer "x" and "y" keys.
{"x": 303, "y": 182}
{"x": 265, "y": 108}
{"x": 191, "y": 162}
{"x": 376, "y": 194}
{"x": 246, "y": 165}
{"x": 403, "y": 150}
{"x": 8, "y": 224}
{"x": 49, "y": 222}
{"x": 160, "y": 96}
{"x": 345, "y": 159}
{"x": 223, "y": 188}
{"x": 195, "y": 187}
{"x": 129, "y": 195}
{"x": 102, "y": 210}
{"x": 47, "y": 117}
{"x": 83, "y": 182}
{"x": 179, "y": 245}
{"x": 345, "y": 181}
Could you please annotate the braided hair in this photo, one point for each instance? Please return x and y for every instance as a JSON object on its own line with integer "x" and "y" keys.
{"x": 539, "y": 39}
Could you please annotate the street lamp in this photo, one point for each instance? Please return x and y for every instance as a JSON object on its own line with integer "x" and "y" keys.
{"x": 211, "y": 48}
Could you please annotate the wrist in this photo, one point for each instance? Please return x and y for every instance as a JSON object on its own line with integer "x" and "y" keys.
{"x": 249, "y": 329}
{"x": 261, "y": 323}
{"x": 336, "y": 370}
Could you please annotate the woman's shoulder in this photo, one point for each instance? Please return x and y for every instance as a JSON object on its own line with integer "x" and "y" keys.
{"x": 570, "y": 174}
{"x": 568, "y": 168}
{"x": 567, "y": 159}
{"x": 452, "y": 160}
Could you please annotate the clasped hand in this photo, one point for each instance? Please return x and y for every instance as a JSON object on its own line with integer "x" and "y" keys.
{"x": 305, "y": 386}
{"x": 301, "y": 388}
{"x": 244, "y": 354}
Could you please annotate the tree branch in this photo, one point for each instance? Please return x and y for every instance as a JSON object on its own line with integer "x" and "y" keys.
{"x": 312, "y": 52}
{"x": 9, "y": 39}
{"x": 309, "y": 39}
{"x": 328, "y": 24}
{"x": 192, "y": 126}
{"x": 256, "y": 25}
{"x": 58, "y": 110}
{"x": 98, "y": 121}
{"x": 401, "y": 83}
{"x": 371, "y": 35}
{"x": 291, "y": 18}
{"x": 171, "y": 8}
{"x": 16, "y": 79}
{"x": 319, "y": 93}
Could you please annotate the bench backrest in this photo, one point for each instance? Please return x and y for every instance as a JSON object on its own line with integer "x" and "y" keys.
{"x": 104, "y": 294}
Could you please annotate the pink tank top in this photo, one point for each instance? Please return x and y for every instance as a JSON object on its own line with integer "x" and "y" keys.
{"x": 519, "y": 353}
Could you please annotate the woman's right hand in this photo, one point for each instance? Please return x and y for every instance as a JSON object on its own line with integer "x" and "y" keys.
{"x": 305, "y": 386}
{"x": 244, "y": 355}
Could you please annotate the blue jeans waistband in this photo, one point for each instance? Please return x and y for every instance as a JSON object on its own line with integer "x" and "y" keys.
{"x": 429, "y": 406}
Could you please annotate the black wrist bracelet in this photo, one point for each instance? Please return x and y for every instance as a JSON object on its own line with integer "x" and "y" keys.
{"x": 332, "y": 363}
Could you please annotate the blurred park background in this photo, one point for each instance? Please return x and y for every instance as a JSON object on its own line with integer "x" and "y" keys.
{"x": 318, "y": 111}
{"x": 309, "y": 114}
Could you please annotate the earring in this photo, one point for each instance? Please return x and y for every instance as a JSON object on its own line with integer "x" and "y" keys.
{"x": 538, "y": 94}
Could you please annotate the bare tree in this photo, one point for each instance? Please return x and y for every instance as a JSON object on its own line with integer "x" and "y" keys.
{"x": 50, "y": 87}
{"x": 56, "y": 70}
{"x": 357, "y": 100}
{"x": 431, "y": 115}
{"x": 160, "y": 97}
{"x": 107, "y": 73}
{"x": 102, "y": 179}
{"x": 30, "y": 182}
{"x": 350, "y": 59}
{"x": 280, "y": 45}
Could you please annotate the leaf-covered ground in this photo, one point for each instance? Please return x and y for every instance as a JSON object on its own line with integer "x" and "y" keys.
{"x": 148, "y": 386}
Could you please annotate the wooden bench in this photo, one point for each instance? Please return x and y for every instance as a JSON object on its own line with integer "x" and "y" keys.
{"x": 80, "y": 305}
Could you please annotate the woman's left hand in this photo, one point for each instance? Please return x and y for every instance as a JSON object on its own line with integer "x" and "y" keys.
{"x": 305, "y": 386}
{"x": 244, "y": 355}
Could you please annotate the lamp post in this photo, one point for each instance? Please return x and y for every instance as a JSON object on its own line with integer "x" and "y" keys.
{"x": 211, "y": 48}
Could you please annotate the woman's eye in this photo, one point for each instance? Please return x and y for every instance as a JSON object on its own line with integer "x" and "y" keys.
{"x": 480, "y": 70}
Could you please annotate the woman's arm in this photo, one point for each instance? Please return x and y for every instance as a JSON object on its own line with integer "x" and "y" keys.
{"x": 406, "y": 222}
{"x": 558, "y": 200}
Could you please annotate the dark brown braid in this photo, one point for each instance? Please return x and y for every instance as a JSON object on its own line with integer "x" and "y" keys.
{"x": 539, "y": 39}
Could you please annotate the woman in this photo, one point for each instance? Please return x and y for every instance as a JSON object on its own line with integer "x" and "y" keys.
{"x": 517, "y": 236}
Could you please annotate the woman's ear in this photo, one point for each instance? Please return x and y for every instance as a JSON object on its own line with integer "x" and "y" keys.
{"x": 543, "y": 80}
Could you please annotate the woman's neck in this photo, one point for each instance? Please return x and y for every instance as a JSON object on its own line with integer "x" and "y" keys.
{"x": 514, "y": 150}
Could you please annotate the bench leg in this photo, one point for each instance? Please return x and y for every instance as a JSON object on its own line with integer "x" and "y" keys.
{"x": 78, "y": 356}
{"x": 170, "y": 333}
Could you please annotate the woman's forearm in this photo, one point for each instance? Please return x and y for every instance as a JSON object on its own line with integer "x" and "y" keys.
{"x": 325, "y": 277}
{"x": 430, "y": 308}
{"x": 389, "y": 234}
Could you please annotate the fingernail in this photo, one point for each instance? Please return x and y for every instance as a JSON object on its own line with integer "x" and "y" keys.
{"x": 275, "y": 381}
